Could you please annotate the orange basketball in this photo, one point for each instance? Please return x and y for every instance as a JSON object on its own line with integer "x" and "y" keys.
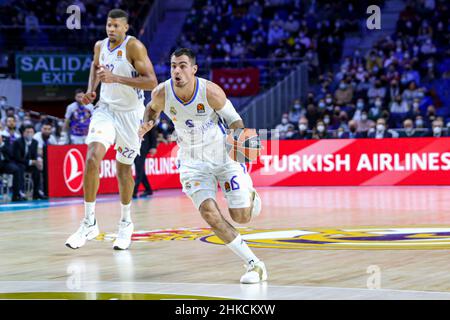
{"x": 243, "y": 145}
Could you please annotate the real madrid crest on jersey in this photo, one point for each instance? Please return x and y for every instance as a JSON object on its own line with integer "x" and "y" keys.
{"x": 119, "y": 55}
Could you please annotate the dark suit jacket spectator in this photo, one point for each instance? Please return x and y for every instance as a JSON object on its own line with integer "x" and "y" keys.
{"x": 352, "y": 135}
{"x": 386, "y": 134}
{"x": 7, "y": 165}
{"x": 23, "y": 157}
{"x": 304, "y": 135}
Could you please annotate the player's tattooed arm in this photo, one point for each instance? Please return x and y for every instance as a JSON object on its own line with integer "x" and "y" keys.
{"x": 137, "y": 55}
{"x": 217, "y": 100}
{"x": 94, "y": 80}
{"x": 153, "y": 110}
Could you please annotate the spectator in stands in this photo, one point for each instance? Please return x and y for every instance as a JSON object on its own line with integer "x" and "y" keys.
{"x": 420, "y": 123}
{"x": 78, "y": 119}
{"x": 45, "y": 138}
{"x": 380, "y": 130}
{"x": 283, "y": 127}
{"x": 409, "y": 131}
{"x": 344, "y": 94}
{"x": 437, "y": 129}
{"x": 302, "y": 133}
{"x": 296, "y": 112}
{"x": 376, "y": 109}
{"x": 3, "y": 107}
{"x": 25, "y": 151}
{"x": 8, "y": 166}
{"x": 352, "y": 132}
{"x": 165, "y": 128}
{"x": 10, "y": 132}
{"x": 320, "y": 131}
{"x": 376, "y": 91}
{"x": 399, "y": 105}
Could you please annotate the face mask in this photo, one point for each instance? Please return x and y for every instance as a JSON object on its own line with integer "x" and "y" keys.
{"x": 343, "y": 86}
{"x": 302, "y": 127}
{"x": 326, "y": 120}
{"x": 380, "y": 127}
{"x": 320, "y": 128}
{"x": 419, "y": 123}
{"x": 378, "y": 103}
{"x": 284, "y": 121}
{"x": 2, "y": 103}
{"x": 297, "y": 106}
{"x": 322, "y": 105}
{"x": 437, "y": 130}
{"x": 21, "y": 114}
{"x": 360, "y": 105}
{"x": 415, "y": 104}
{"x": 28, "y": 138}
{"x": 408, "y": 129}
{"x": 328, "y": 100}
{"x": 420, "y": 94}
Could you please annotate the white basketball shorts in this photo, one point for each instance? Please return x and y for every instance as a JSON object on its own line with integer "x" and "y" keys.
{"x": 117, "y": 127}
{"x": 200, "y": 179}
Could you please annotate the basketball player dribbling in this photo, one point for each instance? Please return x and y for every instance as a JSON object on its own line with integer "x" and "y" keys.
{"x": 197, "y": 106}
{"x": 122, "y": 65}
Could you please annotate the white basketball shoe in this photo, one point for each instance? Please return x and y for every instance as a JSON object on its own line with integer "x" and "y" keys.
{"x": 85, "y": 232}
{"x": 123, "y": 240}
{"x": 256, "y": 209}
{"x": 256, "y": 273}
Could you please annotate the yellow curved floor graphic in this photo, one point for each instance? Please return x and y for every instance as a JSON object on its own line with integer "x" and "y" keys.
{"x": 97, "y": 296}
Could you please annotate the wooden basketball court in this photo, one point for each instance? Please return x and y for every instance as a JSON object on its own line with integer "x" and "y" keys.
{"x": 317, "y": 243}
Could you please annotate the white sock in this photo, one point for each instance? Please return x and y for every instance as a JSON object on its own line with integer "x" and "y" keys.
{"x": 240, "y": 247}
{"x": 125, "y": 210}
{"x": 89, "y": 211}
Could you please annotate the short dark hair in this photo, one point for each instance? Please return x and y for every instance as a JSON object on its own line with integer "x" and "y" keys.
{"x": 185, "y": 52}
{"x": 79, "y": 91}
{"x": 47, "y": 122}
{"x": 28, "y": 126}
{"x": 118, "y": 13}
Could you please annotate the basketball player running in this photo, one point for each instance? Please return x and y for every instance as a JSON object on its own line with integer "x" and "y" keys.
{"x": 122, "y": 65}
{"x": 196, "y": 107}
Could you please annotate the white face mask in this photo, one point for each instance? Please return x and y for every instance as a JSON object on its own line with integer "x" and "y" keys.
{"x": 380, "y": 127}
{"x": 364, "y": 117}
{"x": 437, "y": 130}
{"x": 302, "y": 127}
{"x": 419, "y": 123}
{"x": 2, "y": 103}
{"x": 326, "y": 120}
{"x": 328, "y": 100}
{"x": 320, "y": 128}
{"x": 284, "y": 121}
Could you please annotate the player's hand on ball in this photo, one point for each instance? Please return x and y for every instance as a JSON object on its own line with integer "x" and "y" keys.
{"x": 145, "y": 127}
{"x": 105, "y": 75}
{"x": 88, "y": 98}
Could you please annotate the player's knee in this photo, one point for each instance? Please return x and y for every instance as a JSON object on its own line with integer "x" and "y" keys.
{"x": 92, "y": 163}
{"x": 124, "y": 172}
{"x": 209, "y": 212}
{"x": 240, "y": 215}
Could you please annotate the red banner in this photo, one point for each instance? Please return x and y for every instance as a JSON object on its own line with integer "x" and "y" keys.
{"x": 237, "y": 82}
{"x": 346, "y": 162}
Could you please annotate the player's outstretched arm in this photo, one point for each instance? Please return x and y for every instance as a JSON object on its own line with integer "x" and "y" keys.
{"x": 153, "y": 110}
{"x": 217, "y": 99}
{"x": 94, "y": 80}
{"x": 137, "y": 53}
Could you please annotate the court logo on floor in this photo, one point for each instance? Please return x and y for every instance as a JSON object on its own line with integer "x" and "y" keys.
{"x": 395, "y": 238}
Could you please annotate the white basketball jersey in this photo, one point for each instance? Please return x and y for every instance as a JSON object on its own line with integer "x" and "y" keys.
{"x": 119, "y": 97}
{"x": 200, "y": 131}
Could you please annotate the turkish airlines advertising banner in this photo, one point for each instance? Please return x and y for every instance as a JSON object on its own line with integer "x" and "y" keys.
{"x": 345, "y": 162}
